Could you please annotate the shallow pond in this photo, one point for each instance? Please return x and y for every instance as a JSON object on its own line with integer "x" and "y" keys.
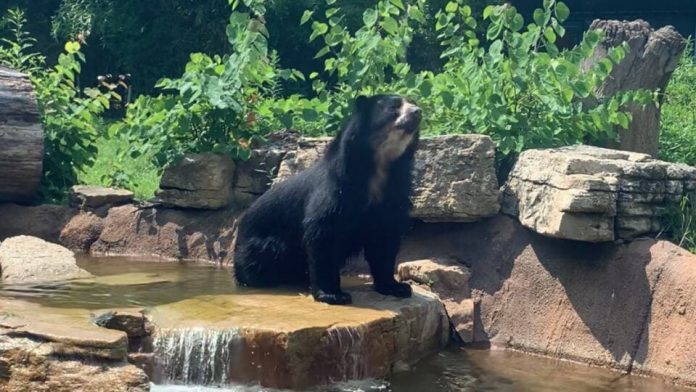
{"x": 121, "y": 282}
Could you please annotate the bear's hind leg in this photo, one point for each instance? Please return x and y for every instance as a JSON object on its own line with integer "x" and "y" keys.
{"x": 325, "y": 262}
{"x": 260, "y": 262}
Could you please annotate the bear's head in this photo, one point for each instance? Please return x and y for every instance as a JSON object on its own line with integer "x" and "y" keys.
{"x": 391, "y": 122}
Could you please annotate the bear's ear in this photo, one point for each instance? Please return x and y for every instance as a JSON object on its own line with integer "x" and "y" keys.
{"x": 361, "y": 103}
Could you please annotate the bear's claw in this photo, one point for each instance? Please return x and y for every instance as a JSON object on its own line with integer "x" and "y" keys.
{"x": 339, "y": 298}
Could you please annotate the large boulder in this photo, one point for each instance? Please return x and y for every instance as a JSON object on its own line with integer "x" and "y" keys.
{"x": 630, "y": 307}
{"x": 198, "y": 181}
{"x": 593, "y": 194}
{"x": 25, "y": 259}
{"x": 455, "y": 178}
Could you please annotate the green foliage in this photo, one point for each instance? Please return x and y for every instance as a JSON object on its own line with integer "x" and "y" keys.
{"x": 113, "y": 169}
{"x": 75, "y": 19}
{"x": 518, "y": 87}
{"x": 678, "y": 121}
{"x": 70, "y": 120}
{"x": 680, "y": 223}
{"x": 17, "y": 51}
{"x": 515, "y": 86}
{"x": 212, "y": 106}
{"x": 369, "y": 60}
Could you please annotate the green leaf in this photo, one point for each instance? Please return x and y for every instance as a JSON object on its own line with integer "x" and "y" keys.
{"x": 517, "y": 22}
{"x": 447, "y": 98}
{"x": 305, "y": 16}
{"x": 390, "y": 25}
{"x": 370, "y": 17}
{"x": 539, "y": 17}
{"x": 398, "y": 3}
{"x": 72, "y": 47}
{"x": 451, "y": 7}
{"x": 416, "y": 14}
{"x": 331, "y": 12}
{"x": 622, "y": 119}
{"x": 322, "y": 52}
{"x": 549, "y": 34}
{"x": 562, "y": 11}
{"x": 488, "y": 11}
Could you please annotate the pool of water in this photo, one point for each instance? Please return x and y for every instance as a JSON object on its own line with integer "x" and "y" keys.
{"x": 120, "y": 282}
{"x": 128, "y": 282}
{"x": 456, "y": 370}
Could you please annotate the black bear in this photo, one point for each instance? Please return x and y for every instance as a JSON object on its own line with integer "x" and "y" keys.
{"x": 355, "y": 198}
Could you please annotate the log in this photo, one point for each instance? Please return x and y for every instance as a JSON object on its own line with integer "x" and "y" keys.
{"x": 652, "y": 57}
{"x": 21, "y": 138}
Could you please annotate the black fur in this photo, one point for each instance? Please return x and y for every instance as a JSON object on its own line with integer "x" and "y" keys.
{"x": 304, "y": 229}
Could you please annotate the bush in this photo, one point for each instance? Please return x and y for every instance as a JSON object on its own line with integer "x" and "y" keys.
{"x": 515, "y": 86}
{"x": 678, "y": 121}
{"x": 212, "y": 106}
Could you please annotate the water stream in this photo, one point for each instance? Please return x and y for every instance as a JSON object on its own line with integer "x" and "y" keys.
{"x": 206, "y": 356}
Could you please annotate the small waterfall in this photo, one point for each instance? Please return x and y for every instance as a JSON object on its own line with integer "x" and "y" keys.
{"x": 198, "y": 356}
{"x": 351, "y": 347}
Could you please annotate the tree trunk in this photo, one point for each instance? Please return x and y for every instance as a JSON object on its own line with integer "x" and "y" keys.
{"x": 649, "y": 63}
{"x": 21, "y": 138}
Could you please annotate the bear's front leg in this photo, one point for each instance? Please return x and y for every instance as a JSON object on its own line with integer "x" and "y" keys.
{"x": 380, "y": 253}
{"x": 325, "y": 261}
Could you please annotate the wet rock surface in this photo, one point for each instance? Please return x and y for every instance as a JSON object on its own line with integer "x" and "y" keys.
{"x": 25, "y": 259}
{"x": 131, "y": 321}
{"x": 593, "y": 194}
{"x": 279, "y": 338}
{"x": 291, "y": 341}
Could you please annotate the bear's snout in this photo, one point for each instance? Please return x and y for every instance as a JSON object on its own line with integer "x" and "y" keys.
{"x": 410, "y": 117}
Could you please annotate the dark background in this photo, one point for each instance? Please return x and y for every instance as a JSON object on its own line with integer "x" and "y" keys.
{"x": 151, "y": 39}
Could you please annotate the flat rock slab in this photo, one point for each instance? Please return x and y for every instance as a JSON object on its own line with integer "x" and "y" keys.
{"x": 98, "y": 196}
{"x": 593, "y": 194}
{"x": 27, "y": 259}
{"x": 454, "y": 176}
{"x": 60, "y": 350}
{"x": 291, "y": 341}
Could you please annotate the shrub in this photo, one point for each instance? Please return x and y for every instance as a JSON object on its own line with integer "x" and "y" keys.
{"x": 212, "y": 106}
{"x": 678, "y": 121}
{"x": 515, "y": 86}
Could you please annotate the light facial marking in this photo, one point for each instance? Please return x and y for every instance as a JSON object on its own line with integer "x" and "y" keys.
{"x": 406, "y": 110}
{"x": 390, "y": 143}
